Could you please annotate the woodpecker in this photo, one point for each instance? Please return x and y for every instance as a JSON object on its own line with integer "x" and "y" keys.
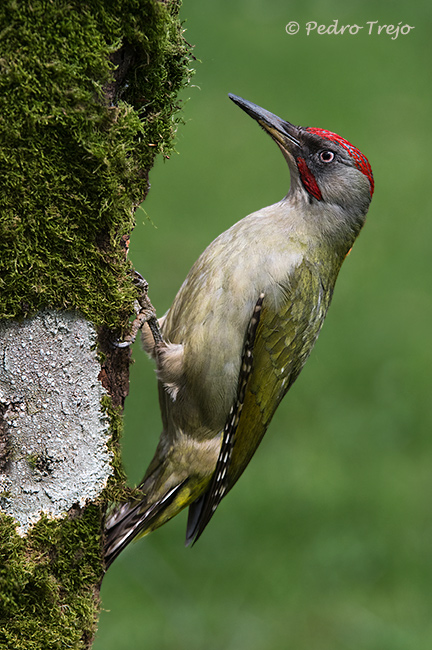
{"x": 242, "y": 326}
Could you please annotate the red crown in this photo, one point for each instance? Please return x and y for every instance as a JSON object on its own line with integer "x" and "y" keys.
{"x": 360, "y": 161}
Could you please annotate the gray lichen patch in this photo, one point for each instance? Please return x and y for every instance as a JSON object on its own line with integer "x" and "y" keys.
{"x": 53, "y": 432}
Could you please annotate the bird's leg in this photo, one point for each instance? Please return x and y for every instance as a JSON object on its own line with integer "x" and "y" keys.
{"x": 145, "y": 313}
{"x": 147, "y": 309}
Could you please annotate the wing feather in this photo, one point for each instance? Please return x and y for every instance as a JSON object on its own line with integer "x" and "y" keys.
{"x": 279, "y": 347}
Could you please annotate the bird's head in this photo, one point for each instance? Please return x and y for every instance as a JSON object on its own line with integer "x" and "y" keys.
{"x": 325, "y": 168}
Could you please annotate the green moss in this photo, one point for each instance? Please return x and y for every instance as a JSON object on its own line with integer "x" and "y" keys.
{"x": 32, "y": 460}
{"x": 87, "y": 100}
{"x": 117, "y": 490}
{"x": 78, "y": 135}
{"x": 48, "y": 582}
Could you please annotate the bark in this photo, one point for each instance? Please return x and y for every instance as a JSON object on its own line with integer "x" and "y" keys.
{"x": 87, "y": 100}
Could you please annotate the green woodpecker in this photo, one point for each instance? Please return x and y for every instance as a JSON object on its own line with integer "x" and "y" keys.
{"x": 242, "y": 326}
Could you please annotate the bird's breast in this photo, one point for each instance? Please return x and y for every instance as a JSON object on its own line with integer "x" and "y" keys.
{"x": 211, "y": 313}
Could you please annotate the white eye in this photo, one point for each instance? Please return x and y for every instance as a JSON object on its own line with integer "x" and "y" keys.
{"x": 326, "y": 156}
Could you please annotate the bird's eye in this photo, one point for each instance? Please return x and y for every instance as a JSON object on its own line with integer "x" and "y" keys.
{"x": 326, "y": 156}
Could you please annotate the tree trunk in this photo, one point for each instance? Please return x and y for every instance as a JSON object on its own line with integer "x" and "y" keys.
{"x": 87, "y": 99}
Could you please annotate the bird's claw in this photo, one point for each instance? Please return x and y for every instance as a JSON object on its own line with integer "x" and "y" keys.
{"x": 145, "y": 313}
{"x": 140, "y": 282}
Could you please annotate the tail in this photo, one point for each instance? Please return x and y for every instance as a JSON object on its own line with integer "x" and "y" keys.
{"x": 133, "y": 519}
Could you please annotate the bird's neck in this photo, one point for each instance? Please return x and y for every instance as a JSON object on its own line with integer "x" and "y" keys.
{"x": 322, "y": 226}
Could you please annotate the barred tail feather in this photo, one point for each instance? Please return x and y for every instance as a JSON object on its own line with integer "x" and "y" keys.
{"x": 132, "y": 519}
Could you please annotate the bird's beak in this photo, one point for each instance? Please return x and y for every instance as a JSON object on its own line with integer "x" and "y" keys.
{"x": 284, "y": 133}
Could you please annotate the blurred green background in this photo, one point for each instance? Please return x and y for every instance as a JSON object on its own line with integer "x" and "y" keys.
{"x": 326, "y": 541}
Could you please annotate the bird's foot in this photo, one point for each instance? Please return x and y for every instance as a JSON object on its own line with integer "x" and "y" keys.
{"x": 145, "y": 313}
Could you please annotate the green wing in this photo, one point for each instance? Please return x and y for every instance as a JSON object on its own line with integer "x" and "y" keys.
{"x": 273, "y": 358}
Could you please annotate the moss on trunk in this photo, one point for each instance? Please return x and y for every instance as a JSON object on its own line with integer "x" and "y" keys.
{"x": 88, "y": 98}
